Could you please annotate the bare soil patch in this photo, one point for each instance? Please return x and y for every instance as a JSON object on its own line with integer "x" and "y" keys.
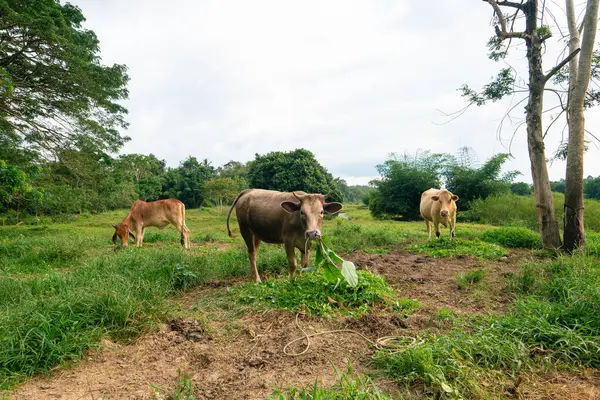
{"x": 243, "y": 358}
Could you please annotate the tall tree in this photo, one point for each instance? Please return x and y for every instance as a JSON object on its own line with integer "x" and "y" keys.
{"x": 289, "y": 171}
{"x": 579, "y": 77}
{"x": 53, "y": 88}
{"x": 535, "y": 35}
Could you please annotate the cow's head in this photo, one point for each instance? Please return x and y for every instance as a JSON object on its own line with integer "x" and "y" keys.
{"x": 122, "y": 232}
{"x": 446, "y": 200}
{"x": 312, "y": 208}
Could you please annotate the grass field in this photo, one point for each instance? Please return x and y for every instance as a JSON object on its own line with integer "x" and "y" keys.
{"x": 487, "y": 311}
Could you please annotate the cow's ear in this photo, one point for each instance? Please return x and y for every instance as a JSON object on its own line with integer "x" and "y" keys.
{"x": 290, "y": 206}
{"x": 132, "y": 236}
{"x": 114, "y": 239}
{"x": 454, "y": 197}
{"x": 332, "y": 208}
{"x": 114, "y": 226}
{"x": 435, "y": 198}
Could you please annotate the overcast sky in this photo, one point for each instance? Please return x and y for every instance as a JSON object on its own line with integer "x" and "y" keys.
{"x": 352, "y": 81}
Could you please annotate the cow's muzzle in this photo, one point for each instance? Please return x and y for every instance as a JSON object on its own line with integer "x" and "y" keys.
{"x": 313, "y": 234}
{"x": 444, "y": 213}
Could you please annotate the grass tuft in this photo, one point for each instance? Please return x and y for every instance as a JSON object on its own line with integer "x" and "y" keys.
{"x": 466, "y": 279}
{"x": 351, "y": 385}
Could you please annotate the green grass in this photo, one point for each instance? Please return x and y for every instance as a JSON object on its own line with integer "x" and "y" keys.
{"x": 555, "y": 319}
{"x": 317, "y": 295}
{"x": 466, "y": 279}
{"x": 516, "y": 237}
{"x": 458, "y": 247}
{"x": 350, "y": 386}
{"x": 63, "y": 287}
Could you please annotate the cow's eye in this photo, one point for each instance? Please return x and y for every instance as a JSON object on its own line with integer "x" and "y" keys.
{"x": 301, "y": 212}
{"x": 322, "y": 212}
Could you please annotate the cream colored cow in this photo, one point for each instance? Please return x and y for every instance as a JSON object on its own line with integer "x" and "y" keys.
{"x": 438, "y": 206}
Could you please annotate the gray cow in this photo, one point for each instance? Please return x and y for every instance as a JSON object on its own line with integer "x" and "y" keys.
{"x": 291, "y": 218}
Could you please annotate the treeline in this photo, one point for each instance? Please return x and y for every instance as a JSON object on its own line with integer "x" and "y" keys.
{"x": 86, "y": 179}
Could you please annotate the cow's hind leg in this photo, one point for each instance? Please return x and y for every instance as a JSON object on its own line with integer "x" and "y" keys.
{"x": 185, "y": 236}
{"x": 139, "y": 233}
{"x": 252, "y": 242}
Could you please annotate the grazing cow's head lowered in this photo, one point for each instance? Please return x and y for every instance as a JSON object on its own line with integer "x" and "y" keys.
{"x": 311, "y": 209}
{"x": 122, "y": 231}
{"x": 446, "y": 200}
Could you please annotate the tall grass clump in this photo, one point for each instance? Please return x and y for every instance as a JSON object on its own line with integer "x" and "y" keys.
{"x": 318, "y": 295}
{"x": 556, "y": 316}
{"x": 513, "y": 236}
{"x": 514, "y": 210}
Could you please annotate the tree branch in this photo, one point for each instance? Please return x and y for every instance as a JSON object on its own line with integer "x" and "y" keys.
{"x": 560, "y": 65}
{"x": 510, "y": 4}
{"x": 501, "y": 31}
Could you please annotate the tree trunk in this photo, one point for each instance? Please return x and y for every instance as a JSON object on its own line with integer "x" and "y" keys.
{"x": 547, "y": 222}
{"x": 579, "y": 70}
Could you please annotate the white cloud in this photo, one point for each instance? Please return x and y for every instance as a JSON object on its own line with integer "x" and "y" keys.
{"x": 349, "y": 80}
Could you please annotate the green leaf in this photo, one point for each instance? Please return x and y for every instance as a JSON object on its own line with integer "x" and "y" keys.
{"x": 319, "y": 255}
{"x": 332, "y": 273}
{"x": 446, "y": 388}
{"x": 349, "y": 273}
{"x": 334, "y": 256}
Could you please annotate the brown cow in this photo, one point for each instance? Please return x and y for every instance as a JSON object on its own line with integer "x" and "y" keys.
{"x": 155, "y": 213}
{"x": 438, "y": 206}
{"x": 276, "y": 217}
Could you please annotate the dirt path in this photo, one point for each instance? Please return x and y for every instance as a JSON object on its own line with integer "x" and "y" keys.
{"x": 243, "y": 359}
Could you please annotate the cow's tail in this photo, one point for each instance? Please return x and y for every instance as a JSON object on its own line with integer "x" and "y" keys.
{"x": 231, "y": 209}
{"x": 184, "y": 229}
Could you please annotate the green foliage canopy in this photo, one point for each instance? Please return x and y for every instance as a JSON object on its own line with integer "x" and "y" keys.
{"x": 289, "y": 171}
{"x": 53, "y": 88}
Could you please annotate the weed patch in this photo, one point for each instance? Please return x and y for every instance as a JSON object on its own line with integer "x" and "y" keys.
{"x": 318, "y": 296}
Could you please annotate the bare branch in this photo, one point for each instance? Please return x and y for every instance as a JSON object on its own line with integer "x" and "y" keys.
{"x": 501, "y": 31}
{"x": 552, "y": 123}
{"x": 560, "y": 65}
{"x": 510, "y": 4}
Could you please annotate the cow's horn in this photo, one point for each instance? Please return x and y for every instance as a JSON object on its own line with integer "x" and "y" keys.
{"x": 296, "y": 196}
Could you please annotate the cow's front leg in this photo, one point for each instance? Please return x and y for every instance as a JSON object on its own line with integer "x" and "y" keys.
{"x": 305, "y": 258}
{"x": 452, "y": 225}
{"x": 291, "y": 256}
{"x": 437, "y": 229}
{"x": 428, "y": 228}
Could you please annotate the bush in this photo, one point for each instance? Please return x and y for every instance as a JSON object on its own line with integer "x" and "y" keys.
{"x": 403, "y": 180}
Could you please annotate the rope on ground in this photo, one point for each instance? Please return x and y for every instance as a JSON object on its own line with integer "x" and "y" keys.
{"x": 387, "y": 342}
